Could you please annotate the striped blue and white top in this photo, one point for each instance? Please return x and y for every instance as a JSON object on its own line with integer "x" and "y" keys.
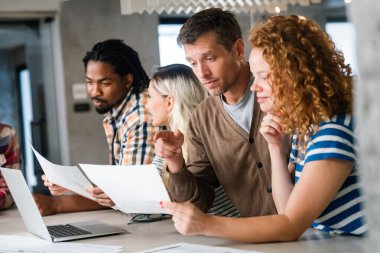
{"x": 222, "y": 205}
{"x": 335, "y": 139}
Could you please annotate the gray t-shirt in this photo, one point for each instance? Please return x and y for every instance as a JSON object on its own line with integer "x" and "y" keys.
{"x": 242, "y": 111}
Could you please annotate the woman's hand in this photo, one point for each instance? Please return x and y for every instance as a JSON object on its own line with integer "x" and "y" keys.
{"x": 271, "y": 130}
{"x": 188, "y": 219}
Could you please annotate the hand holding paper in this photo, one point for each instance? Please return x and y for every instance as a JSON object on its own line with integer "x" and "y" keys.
{"x": 69, "y": 177}
{"x": 134, "y": 188}
{"x": 102, "y": 198}
{"x": 54, "y": 188}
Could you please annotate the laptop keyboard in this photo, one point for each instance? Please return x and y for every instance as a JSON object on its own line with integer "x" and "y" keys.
{"x": 66, "y": 230}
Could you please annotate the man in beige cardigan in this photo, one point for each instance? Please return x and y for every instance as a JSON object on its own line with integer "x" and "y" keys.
{"x": 224, "y": 144}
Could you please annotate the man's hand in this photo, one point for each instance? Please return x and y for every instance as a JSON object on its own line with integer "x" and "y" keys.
{"x": 100, "y": 197}
{"x": 169, "y": 147}
{"x": 53, "y": 188}
{"x": 46, "y": 205}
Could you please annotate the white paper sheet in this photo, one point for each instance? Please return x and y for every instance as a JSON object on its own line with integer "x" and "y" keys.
{"x": 134, "y": 189}
{"x": 11, "y": 244}
{"x": 194, "y": 248}
{"x": 70, "y": 177}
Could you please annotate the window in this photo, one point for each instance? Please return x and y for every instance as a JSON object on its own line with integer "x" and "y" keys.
{"x": 27, "y": 119}
{"x": 170, "y": 52}
{"x": 343, "y": 34}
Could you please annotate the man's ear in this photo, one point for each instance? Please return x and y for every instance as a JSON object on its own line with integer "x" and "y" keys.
{"x": 239, "y": 48}
{"x": 169, "y": 103}
{"x": 128, "y": 80}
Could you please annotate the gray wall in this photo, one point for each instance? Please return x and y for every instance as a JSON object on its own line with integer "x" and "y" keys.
{"x": 365, "y": 15}
{"x": 245, "y": 24}
{"x": 82, "y": 24}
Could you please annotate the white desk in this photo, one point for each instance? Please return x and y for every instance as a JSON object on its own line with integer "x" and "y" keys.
{"x": 148, "y": 235}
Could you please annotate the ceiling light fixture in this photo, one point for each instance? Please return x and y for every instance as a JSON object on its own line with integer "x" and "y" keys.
{"x": 193, "y": 6}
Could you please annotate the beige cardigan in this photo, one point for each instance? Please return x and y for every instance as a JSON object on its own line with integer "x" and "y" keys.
{"x": 221, "y": 152}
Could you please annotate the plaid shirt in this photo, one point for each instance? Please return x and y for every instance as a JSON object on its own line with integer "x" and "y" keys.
{"x": 9, "y": 158}
{"x": 129, "y": 131}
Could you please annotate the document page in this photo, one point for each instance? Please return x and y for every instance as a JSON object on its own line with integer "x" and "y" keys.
{"x": 11, "y": 244}
{"x": 70, "y": 177}
{"x": 194, "y": 248}
{"x": 134, "y": 188}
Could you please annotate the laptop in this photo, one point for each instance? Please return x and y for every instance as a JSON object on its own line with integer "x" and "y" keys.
{"x": 35, "y": 224}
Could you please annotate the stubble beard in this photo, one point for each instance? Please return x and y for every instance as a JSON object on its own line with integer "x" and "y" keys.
{"x": 218, "y": 91}
{"x": 103, "y": 110}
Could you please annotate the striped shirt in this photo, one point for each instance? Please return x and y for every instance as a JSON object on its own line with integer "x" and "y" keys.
{"x": 9, "y": 158}
{"x": 222, "y": 205}
{"x": 129, "y": 131}
{"x": 335, "y": 139}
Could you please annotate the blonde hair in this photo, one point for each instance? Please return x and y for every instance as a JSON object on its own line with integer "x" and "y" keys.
{"x": 311, "y": 83}
{"x": 179, "y": 81}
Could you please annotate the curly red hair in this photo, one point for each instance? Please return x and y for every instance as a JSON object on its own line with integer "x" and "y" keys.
{"x": 310, "y": 81}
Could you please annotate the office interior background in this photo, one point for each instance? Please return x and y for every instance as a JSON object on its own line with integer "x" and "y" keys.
{"x": 42, "y": 90}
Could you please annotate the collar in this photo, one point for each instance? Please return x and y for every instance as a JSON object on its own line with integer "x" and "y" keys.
{"x": 115, "y": 113}
{"x": 250, "y": 82}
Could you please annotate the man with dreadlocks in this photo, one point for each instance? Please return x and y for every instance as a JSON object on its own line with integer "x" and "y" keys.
{"x": 117, "y": 85}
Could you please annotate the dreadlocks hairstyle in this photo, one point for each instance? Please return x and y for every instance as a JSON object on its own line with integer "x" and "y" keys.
{"x": 122, "y": 58}
{"x": 310, "y": 81}
{"x": 222, "y": 23}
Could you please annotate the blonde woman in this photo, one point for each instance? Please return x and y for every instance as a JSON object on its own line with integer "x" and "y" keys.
{"x": 304, "y": 86}
{"x": 174, "y": 91}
